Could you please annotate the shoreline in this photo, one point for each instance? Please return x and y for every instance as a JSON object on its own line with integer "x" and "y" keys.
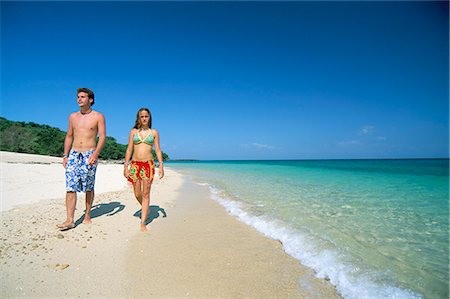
{"x": 193, "y": 248}
{"x": 201, "y": 251}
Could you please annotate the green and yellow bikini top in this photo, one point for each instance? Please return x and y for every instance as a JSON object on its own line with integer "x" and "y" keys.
{"x": 149, "y": 139}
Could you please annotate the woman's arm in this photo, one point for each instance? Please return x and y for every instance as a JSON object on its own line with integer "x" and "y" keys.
{"x": 158, "y": 153}
{"x": 128, "y": 153}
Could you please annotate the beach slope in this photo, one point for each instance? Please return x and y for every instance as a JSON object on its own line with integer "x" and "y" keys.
{"x": 193, "y": 247}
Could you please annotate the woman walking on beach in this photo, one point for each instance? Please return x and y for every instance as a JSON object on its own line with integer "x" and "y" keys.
{"x": 142, "y": 167}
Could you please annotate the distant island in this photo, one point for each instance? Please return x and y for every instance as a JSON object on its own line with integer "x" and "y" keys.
{"x": 33, "y": 138}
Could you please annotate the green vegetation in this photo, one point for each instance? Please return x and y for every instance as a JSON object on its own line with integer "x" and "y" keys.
{"x": 32, "y": 138}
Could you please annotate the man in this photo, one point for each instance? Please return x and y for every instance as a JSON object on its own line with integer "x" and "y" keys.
{"x": 81, "y": 152}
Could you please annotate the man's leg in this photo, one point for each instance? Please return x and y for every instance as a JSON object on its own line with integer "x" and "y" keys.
{"x": 88, "y": 185}
{"x": 71, "y": 201}
{"x": 89, "y": 201}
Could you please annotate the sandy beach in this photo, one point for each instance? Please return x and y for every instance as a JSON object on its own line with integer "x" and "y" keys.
{"x": 27, "y": 178}
{"x": 193, "y": 248}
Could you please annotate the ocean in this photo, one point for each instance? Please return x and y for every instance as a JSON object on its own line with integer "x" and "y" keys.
{"x": 373, "y": 228}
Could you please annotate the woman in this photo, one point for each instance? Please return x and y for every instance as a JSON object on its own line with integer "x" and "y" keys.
{"x": 142, "y": 167}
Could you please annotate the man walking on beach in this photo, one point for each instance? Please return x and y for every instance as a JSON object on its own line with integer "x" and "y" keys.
{"x": 81, "y": 152}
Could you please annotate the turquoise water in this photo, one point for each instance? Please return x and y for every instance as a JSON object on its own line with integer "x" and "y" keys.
{"x": 374, "y": 228}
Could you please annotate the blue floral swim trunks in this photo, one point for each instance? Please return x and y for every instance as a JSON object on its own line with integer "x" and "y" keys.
{"x": 80, "y": 176}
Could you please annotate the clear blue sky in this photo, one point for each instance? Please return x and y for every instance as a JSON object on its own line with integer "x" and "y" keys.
{"x": 239, "y": 80}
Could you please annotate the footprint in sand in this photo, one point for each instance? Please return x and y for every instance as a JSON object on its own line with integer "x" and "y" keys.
{"x": 58, "y": 266}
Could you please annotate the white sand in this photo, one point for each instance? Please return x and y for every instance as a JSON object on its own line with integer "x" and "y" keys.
{"x": 89, "y": 261}
{"x": 27, "y": 178}
{"x": 193, "y": 248}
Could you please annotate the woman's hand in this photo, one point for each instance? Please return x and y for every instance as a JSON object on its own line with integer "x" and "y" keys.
{"x": 161, "y": 171}
{"x": 126, "y": 172}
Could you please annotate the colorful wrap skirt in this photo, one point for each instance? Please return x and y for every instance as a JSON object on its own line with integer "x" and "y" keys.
{"x": 141, "y": 170}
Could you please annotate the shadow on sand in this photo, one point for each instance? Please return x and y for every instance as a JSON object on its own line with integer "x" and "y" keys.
{"x": 103, "y": 208}
{"x": 152, "y": 214}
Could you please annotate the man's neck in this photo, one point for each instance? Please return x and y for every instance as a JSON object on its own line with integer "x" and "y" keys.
{"x": 84, "y": 110}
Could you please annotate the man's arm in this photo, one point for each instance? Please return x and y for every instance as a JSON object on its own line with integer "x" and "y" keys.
{"x": 68, "y": 141}
{"x": 101, "y": 139}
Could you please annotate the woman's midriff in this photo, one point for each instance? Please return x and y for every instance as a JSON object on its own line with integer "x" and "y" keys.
{"x": 142, "y": 152}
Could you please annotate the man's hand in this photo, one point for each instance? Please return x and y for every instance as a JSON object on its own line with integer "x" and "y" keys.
{"x": 93, "y": 159}
{"x": 126, "y": 172}
{"x": 64, "y": 162}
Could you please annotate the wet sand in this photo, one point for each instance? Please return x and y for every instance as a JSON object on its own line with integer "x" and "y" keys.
{"x": 193, "y": 249}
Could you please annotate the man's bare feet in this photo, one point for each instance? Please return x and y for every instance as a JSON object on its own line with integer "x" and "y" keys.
{"x": 65, "y": 225}
{"x": 87, "y": 221}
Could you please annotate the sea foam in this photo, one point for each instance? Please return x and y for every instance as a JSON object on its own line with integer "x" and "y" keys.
{"x": 327, "y": 263}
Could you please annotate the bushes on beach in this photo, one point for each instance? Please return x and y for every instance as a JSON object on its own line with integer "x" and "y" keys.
{"x": 32, "y": 138}
{"x": 113, "y": 150}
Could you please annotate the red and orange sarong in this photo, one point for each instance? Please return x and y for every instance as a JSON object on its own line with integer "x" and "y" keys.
{"x": 141, "y": 170}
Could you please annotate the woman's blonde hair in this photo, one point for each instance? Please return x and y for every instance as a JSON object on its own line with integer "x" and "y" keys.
{"x": 137, "y": 124}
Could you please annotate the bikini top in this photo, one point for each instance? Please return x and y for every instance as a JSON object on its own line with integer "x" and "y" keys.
{"x": 149, "y": 139}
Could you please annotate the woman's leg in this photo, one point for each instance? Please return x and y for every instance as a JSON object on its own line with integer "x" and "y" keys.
{"x": 137, "y": 191}
{"x": 146, "y": 186}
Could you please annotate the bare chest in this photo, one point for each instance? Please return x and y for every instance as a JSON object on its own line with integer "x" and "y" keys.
{"x": 85, "y": 123}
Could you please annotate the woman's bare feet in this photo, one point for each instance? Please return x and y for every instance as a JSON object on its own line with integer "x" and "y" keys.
{"x": 143, "y": 227}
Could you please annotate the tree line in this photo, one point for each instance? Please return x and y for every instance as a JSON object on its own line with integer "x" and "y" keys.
{"x": 33, "y": 138}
